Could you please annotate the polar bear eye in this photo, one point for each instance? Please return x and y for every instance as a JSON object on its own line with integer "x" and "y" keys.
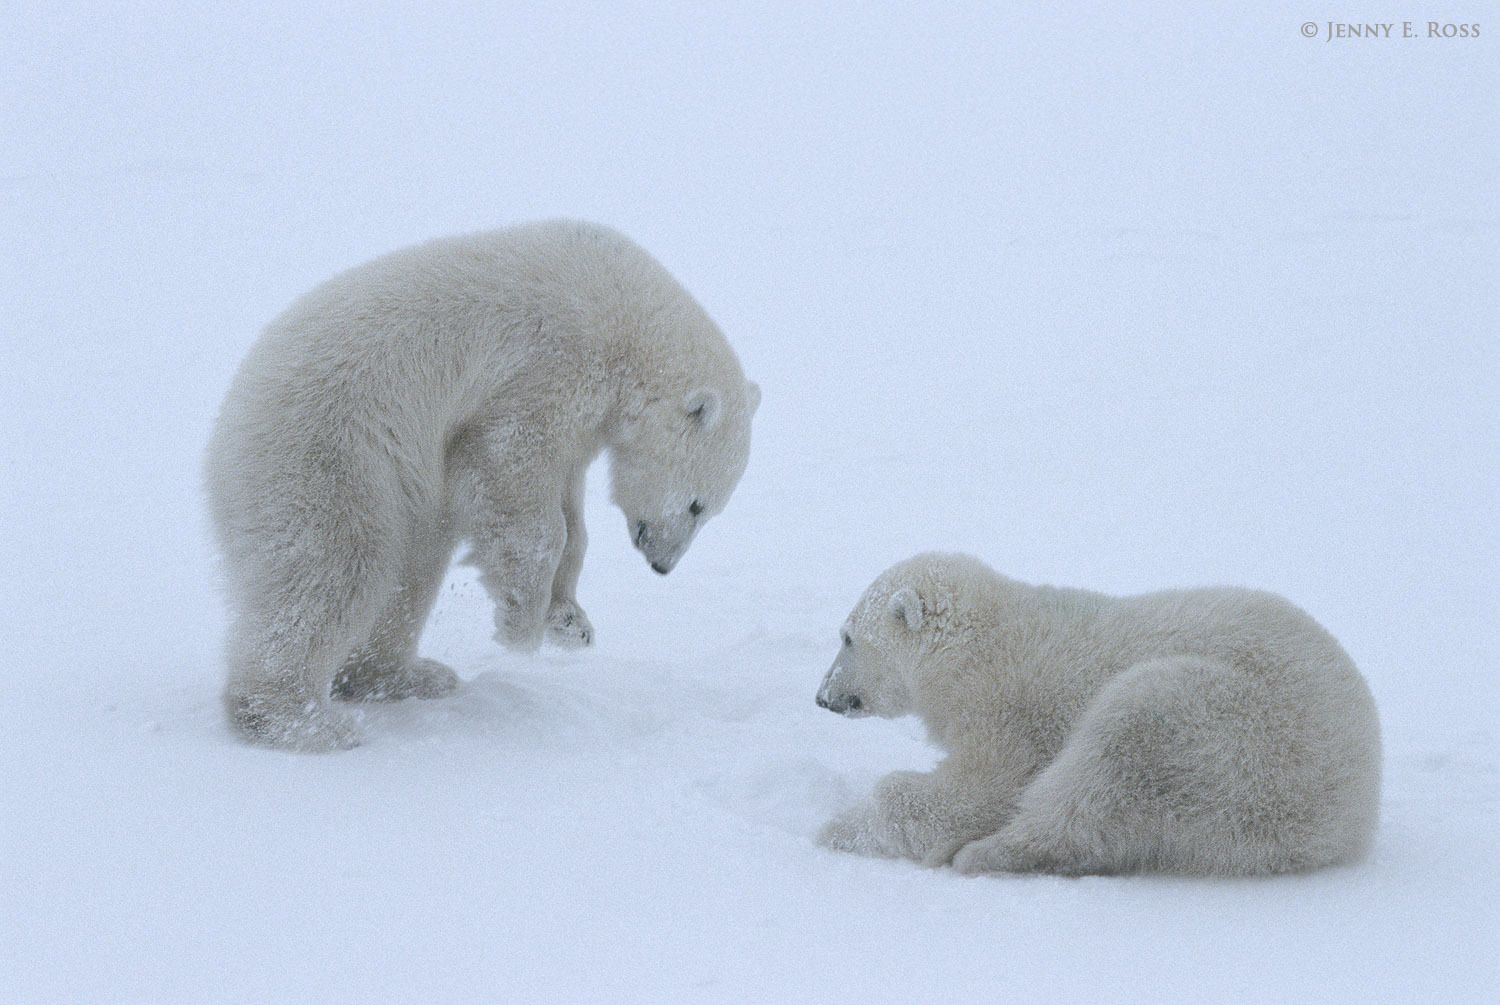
{"x": 848, "y": 642}
{"x": 695, "y": 508}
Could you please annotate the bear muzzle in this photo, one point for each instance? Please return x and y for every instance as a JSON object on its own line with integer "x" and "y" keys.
{"x": 842, "y": 704}
{"x": 835, "y": 698}
{"x": 661, "y": 547}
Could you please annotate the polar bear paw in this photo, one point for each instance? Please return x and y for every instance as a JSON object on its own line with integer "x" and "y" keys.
{"x": 943, "y": 853}
{"x": 1002, "y": 852}
{"x": 421, "y": 678}
{"x": 567, "y": 626}
{"x": 310, "y": 728}
{"x": 520, "y": 623}
{"x": 985, "y": 855}
{"x": 849, "y": 831}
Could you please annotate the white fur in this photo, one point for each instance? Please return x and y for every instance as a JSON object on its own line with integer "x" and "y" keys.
{"x": 1215, "y": 731}
{"x": 454, "y": 391}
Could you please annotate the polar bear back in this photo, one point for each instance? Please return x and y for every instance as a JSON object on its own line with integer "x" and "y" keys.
{"x": 1304, "y": 681}
{"x": 1253, "y": 631}
{"x": 359, "y": 386}
{"x": 408, "y": 344}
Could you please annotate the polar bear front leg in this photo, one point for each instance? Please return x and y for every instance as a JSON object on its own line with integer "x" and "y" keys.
{"x": 919, "y": 816}
{"x": 567, "y": 625}
{"x": 898, "y": 823}
{"x": 508, "y": 505}
{"x": 517, "y": 550}
{"x": 517, "y": 567}
{"x": 925, "y": 817}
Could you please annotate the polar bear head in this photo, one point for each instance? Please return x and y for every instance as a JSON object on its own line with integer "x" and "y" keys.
{"x": 678, "y": 459}
{"x": 905, "y": 629}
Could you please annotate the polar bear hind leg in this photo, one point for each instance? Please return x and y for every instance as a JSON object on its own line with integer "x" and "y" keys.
{"x": 1179, "y": 764}
{"x": 280, "y": 673}
{"x": 309, "y": 587}
{"x": 385, "y": 666}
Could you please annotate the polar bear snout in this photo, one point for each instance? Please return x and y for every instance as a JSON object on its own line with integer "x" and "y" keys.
{"x": 842, "y": 704}
{"x": 662, "y": 544}
{"x": 836, "y": 698}
{"x": 643, "y": 541}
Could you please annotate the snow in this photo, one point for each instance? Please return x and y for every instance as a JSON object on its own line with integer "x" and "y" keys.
{"x": 1114, "y": 300}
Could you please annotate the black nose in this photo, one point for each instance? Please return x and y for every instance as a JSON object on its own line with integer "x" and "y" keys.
{"x": 841, "y": 704}
{"x": 660, "y": 569}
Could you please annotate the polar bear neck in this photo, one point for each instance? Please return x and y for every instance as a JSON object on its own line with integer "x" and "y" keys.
{"x": 453, "y": 331}
{"x": 1007, "y": 645}
{"x": 623, "y": 323}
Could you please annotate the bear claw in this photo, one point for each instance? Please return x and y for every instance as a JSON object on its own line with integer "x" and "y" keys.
{"x": 568, "y": 627}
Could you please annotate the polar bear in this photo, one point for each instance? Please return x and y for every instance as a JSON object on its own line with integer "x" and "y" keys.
{"x": 455, "y": 391}
{"x": 1209, "y": 732}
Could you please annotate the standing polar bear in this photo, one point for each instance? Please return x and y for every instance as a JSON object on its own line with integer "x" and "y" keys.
{"x": 455, "y": 391}
{"x": 1217, "y": 731}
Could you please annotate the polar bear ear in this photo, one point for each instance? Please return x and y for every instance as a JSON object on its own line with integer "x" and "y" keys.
{"x": 705, "y": 406}
{"x": 752, "y": 395}
{"x": 906, "y": 606}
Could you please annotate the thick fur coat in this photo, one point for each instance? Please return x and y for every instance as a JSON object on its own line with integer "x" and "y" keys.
{"x": 1211, "y": 731}
{"x": 455, "y": 391}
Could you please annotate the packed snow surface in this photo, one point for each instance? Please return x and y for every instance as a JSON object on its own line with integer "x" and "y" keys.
{"x": 1122, "y": 301}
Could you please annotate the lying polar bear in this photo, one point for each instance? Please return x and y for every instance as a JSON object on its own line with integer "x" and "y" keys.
{"x": 1215, "y": 731}
{"x": 455, "y": 391}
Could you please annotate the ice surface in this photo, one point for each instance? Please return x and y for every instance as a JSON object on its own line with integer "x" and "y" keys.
{"x": 1118, "y": 301}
